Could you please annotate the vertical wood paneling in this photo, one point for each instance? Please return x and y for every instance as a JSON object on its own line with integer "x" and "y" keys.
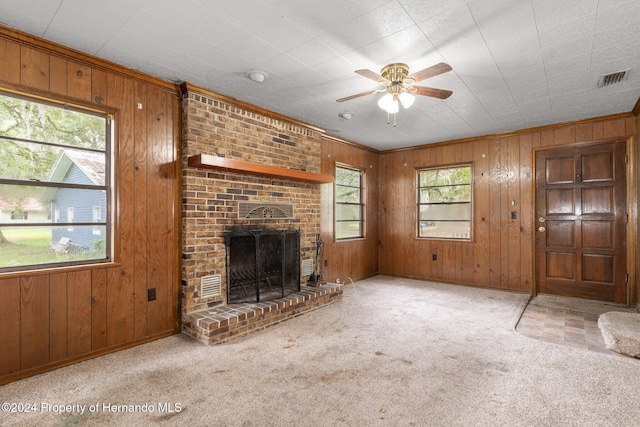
{"x": 495, "y": 214}
{"x": 513, "y": 203}
{"x": 120, "y": 290}
{"x": 10, "y": 329}
{"x": 34, "y": 69}
{"x": 58, "y": 80}
{"x": 157, "y": 227}
{"x": 34, "y": 321}
{"x": 526, "y": 213}
{"x": 614, "y": 128}
{"x": 98, "y": 86}
{"x": 481, "y": 213}
{"x": 140, "y": 214}
{"x": 354, "y": 258}
{"x": 9, "y": 61}
{"x": 120, "y": 311}
{"x": 58, "y": 316}
{"x": 79, "y": 306}
{"x": 449, "y": 261}
{"x": 79, "y": 81}
{"x": 98, "y": 309}
{"x": 598, "y": 130}
{"x": 584, "y": 132}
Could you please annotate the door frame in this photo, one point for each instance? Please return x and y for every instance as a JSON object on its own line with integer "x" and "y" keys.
{"x": 632, "y": 210}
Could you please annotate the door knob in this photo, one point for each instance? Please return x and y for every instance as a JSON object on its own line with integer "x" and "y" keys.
{"x": 542, "y": 229}
{"x": 541, "y": 219}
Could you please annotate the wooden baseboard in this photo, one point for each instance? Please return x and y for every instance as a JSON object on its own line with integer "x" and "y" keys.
{"x": 15, "y": 376}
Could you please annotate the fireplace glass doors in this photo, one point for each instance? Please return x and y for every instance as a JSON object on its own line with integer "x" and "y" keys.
{"x": 262, "y": 264}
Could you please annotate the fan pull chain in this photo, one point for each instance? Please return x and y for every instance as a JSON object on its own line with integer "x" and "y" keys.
{"x": 389, "y": 119}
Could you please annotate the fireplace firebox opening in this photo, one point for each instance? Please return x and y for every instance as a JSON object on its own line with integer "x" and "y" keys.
{"x": 262, "y": 264}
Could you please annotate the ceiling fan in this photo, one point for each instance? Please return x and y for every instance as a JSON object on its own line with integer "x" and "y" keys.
{"x": 400, "y": 85}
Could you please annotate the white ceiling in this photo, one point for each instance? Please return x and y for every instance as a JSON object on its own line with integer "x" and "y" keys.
{"x": 516, "y": 63}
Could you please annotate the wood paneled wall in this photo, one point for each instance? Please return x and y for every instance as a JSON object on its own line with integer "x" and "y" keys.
{"x": 501, "y": 253}
{"x": 357, "y": 258}
{"x": 53, "y": 317}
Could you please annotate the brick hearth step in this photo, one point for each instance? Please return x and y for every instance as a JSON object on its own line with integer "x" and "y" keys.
{"x": 221, "y": 323}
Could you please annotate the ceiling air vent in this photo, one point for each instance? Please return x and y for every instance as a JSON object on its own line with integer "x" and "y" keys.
{"x": 210, "y": 286}
{"x": 612, "y": 78}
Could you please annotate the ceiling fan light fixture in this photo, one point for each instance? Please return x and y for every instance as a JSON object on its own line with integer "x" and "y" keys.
{"x": 406, "y": 99}
{"x": 389, "y": 103}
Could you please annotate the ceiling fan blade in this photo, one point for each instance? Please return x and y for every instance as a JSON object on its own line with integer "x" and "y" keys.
{"x": 373, "y": 76}
{"x": 430, "y": 91}
{"x": 371, "y": 92}
{"x": 432, "y": 71}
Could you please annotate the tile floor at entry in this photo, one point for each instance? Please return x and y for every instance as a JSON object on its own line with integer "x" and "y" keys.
{"x": 566, "y": 321}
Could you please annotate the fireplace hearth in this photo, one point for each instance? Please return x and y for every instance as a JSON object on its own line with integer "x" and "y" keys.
{"x": 262, "y": 264}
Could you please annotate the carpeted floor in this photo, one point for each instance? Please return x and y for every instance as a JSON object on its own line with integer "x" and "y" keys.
{"x": 394, "y": 352}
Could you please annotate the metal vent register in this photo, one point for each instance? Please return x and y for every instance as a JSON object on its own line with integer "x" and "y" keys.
{"x": 613, "y": 78}
{"x": 263, "y": 210}
{"x": 210, "y": 286}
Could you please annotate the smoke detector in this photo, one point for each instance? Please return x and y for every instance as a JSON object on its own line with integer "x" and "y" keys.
{"x": 256, "y": 75}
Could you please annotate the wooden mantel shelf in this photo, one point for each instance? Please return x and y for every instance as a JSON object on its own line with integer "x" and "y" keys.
{"x": 207, "y": 161}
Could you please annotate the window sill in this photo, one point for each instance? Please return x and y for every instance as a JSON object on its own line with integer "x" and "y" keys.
{"x": 51, "y": 270}
{"x": 350, "y": 239}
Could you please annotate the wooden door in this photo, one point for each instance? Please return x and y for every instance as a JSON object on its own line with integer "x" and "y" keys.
{"x": 581, "y": 222}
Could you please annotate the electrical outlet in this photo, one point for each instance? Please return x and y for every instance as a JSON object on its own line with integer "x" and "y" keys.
{"x": 514, "y": 215}
{"x": 326, "y": 262}
{"x": 151, "y": 294}
{"x": 434, "y": 257}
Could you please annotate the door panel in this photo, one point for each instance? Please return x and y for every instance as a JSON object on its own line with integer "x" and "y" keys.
{"x": 581, "y": 222}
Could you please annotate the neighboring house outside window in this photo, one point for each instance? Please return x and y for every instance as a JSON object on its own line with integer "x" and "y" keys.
{"x": 97, "y": 217}
{"x": 444, "y": 202}
{"x": 349, "y": 203}
{"x": 70, "y": 215}
{"x": 54, "y": 159}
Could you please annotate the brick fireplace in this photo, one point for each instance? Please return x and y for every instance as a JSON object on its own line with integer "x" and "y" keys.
{"x": 234, "y": 154}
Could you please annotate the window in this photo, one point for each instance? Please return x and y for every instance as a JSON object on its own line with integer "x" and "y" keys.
{"x": 444, "y": 202}
{"x": 53, "y": 159}
{"x": 349, "y": 212}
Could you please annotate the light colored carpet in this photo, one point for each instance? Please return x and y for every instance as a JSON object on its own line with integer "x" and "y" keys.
{"x": 621, "y": 332}
{"x": 394, "y": 352}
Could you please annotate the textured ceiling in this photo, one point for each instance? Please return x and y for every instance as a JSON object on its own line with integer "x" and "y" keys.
{"x": 516, "y": 63}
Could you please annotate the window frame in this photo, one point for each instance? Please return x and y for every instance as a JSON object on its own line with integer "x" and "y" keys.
{"x": 418, "y": 221}
{"x": 362, "y": 203}
{"x": 109, "y": 222}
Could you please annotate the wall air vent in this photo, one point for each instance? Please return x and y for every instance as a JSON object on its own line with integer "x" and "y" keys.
{"x": 307, "y": 267}
{"x": 265, "y": 210}
{"x": 210, "y": 286}
{"x": 612, "y": 78}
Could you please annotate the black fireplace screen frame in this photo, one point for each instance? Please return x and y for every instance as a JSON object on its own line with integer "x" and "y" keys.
{"x": 262, "y": 264}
